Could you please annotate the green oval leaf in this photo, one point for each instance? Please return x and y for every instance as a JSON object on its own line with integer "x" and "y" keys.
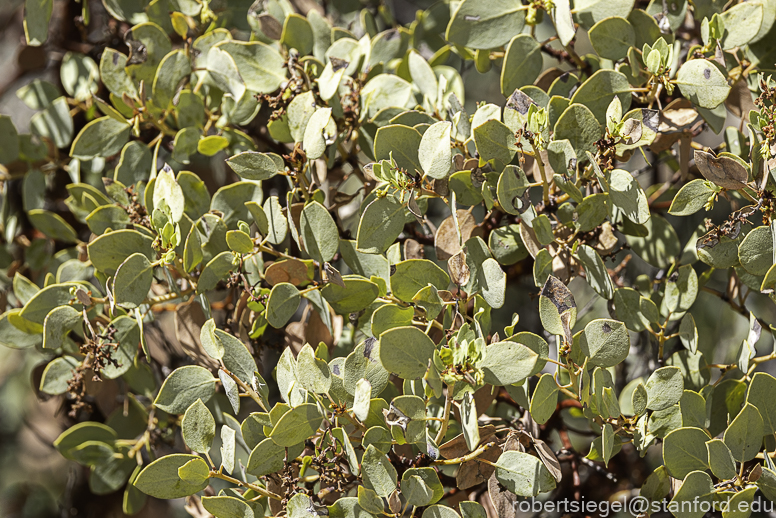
{"x": 174, "y": 476}
{"x": 406, "y": 351}
{"x": 183, "y": 387}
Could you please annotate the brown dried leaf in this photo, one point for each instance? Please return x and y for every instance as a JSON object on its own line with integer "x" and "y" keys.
{"x": 606, "y": 240}
{"x": 473, "y": 472}
{"x": 295, "y": 336}
{"x": 632, "y": 131}
{"x": 413, "y": 250}
{"x": 664, "y": 141}
{"x": 446, "y": 241}
{"x": 83, "y": 297}
{"x": 275, "y": 485}
{"x": 442, "y": 186}
{"x": 456, "y": 447}
{"x": 459, "y": 270}
{"x": 458, "y": 161}
{"x": 739, "y": 101}
{"x": 333, "y": 275}
{"x": 394, "y": 502}
{"x": 723, "y": 171}
{"x": 316, "y": 331}
{"x": 504, "y": 502}
{"x": 546, "y": 78}
{"x": 270, "y": 26}
{"x": 294, "y": 271}
{"x": 517, "y": 441}
{"x": 529, "y": 239}
{"x": 549, "y": 459}
{"x": 471, "y": 164}
{"x": 678, "y": 116}
{"x": 755, "y": 474}
{"x": 189, "y": 319}
{"x": 412, "y": 205}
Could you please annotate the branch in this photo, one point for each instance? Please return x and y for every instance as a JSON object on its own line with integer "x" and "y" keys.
{"x": 466, "y": 458}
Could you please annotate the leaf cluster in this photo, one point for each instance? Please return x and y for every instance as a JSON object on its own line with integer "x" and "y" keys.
{"x": 340, "y": 241}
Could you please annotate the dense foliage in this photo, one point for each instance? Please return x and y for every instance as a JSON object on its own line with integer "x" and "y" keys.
{"x": 352, "y": 334}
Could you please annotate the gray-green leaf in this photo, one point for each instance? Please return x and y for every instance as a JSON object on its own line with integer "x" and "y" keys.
{"x": 198, "y": 427}
{"x": 184, "y": 386}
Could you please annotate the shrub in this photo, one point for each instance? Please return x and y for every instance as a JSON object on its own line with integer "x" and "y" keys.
{"x": 386, "y": 300}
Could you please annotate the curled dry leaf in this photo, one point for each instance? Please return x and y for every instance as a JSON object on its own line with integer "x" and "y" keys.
{"x": 395, "y": 417}
{"x": 270, "y": 26}
{"x": 548, "y": 458}
{"x": 412, "y": 205}
{"x": 559, "y": 294}
{"x": 316, "y": 331}
{"x": 333, "y": 275}
{"x": 723, "y": 171}
{"x": 394, "y": 502}
{"x": 755, "y": 474}
{"x": 458, "y": 161}
{"x": 445, "y": 295}
{"x": 739, "y": 102}
{"x": 529, "y": 239}
{"x": 459, "y": 270}
{"x": 607, "y": 240}
{"x": 632, "y": 131}
{"x": 678, "y": 116}
{"x": 413, "y": 250}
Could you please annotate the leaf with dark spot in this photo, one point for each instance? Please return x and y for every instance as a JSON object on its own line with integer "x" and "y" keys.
{"x": 338, "y": 64}
{"x": 520, "y": 102}
{"x": 650, "y": 119}
{"x": 369, "y": 345}
{"x": 559, "y": 294}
